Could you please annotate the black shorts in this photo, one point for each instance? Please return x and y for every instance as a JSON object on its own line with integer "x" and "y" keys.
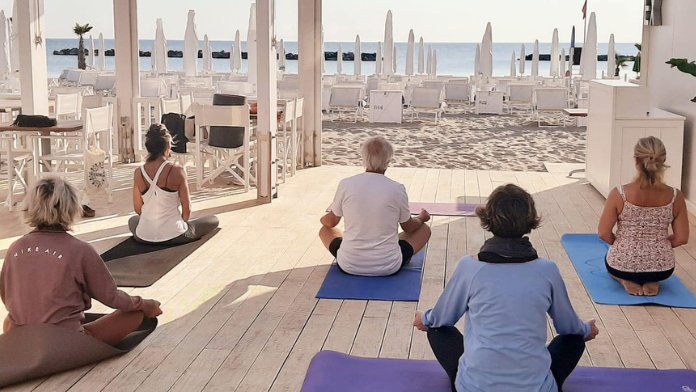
{"x": 640, "y": 278}
{"x": 406, "y": 251}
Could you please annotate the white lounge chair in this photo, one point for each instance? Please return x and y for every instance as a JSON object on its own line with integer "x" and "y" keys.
{"x": 520, "y": 95}
{"x": 457, "y": 94}
{"x": 550, "y": 100}
{"x": 426, "y": 100}
{"x": 345, "y": 99}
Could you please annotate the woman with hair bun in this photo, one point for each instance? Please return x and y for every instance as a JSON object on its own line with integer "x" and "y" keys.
{"x": 160, "y": 189}
{"x": 641, "y": 253}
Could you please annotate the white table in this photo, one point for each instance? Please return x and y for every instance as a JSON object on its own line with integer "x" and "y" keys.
{"x": 489, "y": 102}
{"x": 386, "y": 106}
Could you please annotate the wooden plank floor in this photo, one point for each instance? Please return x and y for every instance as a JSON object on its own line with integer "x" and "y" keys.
{"x": 240, "y": 313}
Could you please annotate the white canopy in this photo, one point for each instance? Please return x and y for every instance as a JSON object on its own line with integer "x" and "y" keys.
{"x": 14, "y": 39}
{"x": 357, "y": 60}
{"x": 555, "y": 55}
{"x": 339, "y": 60}
{"x": 207, "y": 55}
{"x": 486, "y": 59}
{"x": 611, "y": 57}
{"x": 588, "y": 63}
{"x": 477, "y": 61}
{"x": 513, "y": 65}
{"x": 191, "y": 46}
{"x": 563, "y": 63}
{"x": 523, "y": 60}
{"x": 89, "y": 61}
{"x": 237, "y": 52}
{"x": 388, "y": 45}
{"x": 434, "y": 65}
{"x": 281, "y": 55}
{"x": 429, "y": 61}
{"x": 251, "y": 46}
{"x": 410, "y": 49}
{"x": 159, "y": 49}
{"x": 101, "y": 58}
{"x": 535, "y": 59}
{"x": 378, "y": 59}
{"x": 421, "y": 57}
{"x": 4, "y": 45}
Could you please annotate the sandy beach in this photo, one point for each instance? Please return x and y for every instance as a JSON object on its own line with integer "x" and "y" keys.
{"x": 461, "y": 141}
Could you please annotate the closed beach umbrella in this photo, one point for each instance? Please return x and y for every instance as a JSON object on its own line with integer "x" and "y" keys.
{"x": 251, "y": 46}
{"x": 434, "y": 65}
{"x": 4, "y": 45}
{"x": 237, "y": 52}
{"x": 513, "y": 63}
{"x": 588, "y": 63}
{"x": 339, "y": 60}
{"x": 394, "y": 64}
{"x": 14, "y": 39}
{"x": 90, "y": 53}
{"x": 160, "y": 49}
{"x": 388, "y": 45}
{"x": 523, "y": 60}
{"x": 357, "y": 59}
{"x": 281, "y": 55}
{"x": 477, "y": 61}
{"x": 233, "y": 55}
{"x": 410, "y": 50}
{"x": 421, "y": 57}
{"x": 191, "y": 46}
{"x": 101, "y": 58}
{"x": 486, "y": 59}
{"x": 429, "y": 61}
{"x": 535, "y": 59}
{"x": 378, "y": 59}
{"x": 611, "y": 57}
{"x": 563, "y": 62}
{"x": 555, "y": 55}
{"x": 207, "y": 55}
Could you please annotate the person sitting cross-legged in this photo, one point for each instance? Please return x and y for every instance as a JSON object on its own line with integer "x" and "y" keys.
{"x": 506, "y": 293}
{"x": 373, "y": 207}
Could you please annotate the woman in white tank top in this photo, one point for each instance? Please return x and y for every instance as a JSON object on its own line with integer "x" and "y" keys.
{"x": 161, "y": 197}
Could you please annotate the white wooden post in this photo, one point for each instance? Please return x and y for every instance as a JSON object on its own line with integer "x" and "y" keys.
{"x": 266, "y": 90}
{"x": 33, "y": 73}
{"x": 127, "y": 74}
{"x": 310, "y": 52}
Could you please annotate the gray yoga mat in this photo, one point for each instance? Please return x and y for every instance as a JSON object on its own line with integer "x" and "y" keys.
{"x": 134, "y": 264}
{"x": 40, "y": 350}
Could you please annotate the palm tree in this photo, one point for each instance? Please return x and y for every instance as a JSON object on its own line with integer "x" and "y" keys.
{"x": 621, "y": 62}
{"x": 81, "y": 31}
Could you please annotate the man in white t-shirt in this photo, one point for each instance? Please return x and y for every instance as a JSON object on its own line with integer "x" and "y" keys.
{"x": 373, "y": 206}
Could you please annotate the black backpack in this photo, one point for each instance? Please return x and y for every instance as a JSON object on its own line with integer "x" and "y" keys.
{"x": 176, "y": 124}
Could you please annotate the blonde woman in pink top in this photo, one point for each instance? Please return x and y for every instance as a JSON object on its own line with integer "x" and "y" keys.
{"x": 642, "y": 250}
{"x": 51, "y": 277}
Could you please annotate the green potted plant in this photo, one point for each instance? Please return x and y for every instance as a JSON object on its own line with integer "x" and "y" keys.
{"x": 685, "y": 66}
{"x": 81, "y": 31}
{"x": 621, "y": 62}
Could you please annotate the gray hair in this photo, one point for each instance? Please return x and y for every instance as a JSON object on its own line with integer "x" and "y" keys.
{"x": 51, "y": 202}
{"x": 377, "y": 152}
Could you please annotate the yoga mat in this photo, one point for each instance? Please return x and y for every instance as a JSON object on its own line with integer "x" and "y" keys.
{"x": 444, "y": 209}
{"x": 40, "y": 350}
{"x": 335, "y": 372}
{"x": 134, "y": 264}
{"x": 588, "y": 252}
{"x": 405, "y": 285}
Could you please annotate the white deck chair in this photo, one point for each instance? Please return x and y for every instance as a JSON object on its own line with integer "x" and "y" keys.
{"x": 550, "y": 100}
{"x": 426, "y": 100}
{"x": 344, "y": 99}
{"x": 73, "y": 77}
{"x": 186, "y": 100}
{"x": 170, "y": 106}
{"x": 298, "y": 130}
{"x": 88, "y": 78}
{"x": 520, "y": 95}
{"x": 68, "y": 106}
{"x": 16, "y": 158}
{"x": 458, "y": 94}
{"x": 437, "y": 84}
{"x": 235, "y": 88}
{"x": 286, "y": 136}
{"x": 105, "y": 84}
{"x": 225, "y": 159}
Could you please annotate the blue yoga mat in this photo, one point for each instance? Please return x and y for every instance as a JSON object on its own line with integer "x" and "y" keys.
{"x": 588, "y": 252}
{"x": 403, "y": 286}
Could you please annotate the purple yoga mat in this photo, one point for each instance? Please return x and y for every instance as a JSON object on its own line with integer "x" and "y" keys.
{"x": 335, "y": 372}
{"x": 444, "y": 209}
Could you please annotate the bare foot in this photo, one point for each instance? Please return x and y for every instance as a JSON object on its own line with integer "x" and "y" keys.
{"x": 651, "y": 289}
{"x": 632, "y": 288}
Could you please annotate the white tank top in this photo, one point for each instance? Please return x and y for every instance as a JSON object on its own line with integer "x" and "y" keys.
{"x": 160, "y": 217}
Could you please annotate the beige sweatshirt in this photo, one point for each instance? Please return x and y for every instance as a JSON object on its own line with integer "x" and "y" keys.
{"x": 50, "y": 277}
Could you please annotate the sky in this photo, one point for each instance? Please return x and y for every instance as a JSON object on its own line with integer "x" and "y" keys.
{"x": 435, "y": 20}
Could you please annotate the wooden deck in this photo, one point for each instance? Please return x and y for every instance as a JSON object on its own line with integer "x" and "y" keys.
{"x": 240, "y": 314}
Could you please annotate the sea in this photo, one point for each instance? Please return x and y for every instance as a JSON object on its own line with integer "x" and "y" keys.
{"x": 455, "y": 59}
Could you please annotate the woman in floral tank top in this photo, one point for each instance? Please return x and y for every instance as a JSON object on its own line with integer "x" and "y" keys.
{"x": 642, "y": 250}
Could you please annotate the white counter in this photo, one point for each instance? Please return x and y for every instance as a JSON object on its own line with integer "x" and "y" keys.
{"x": 618, "y": 117}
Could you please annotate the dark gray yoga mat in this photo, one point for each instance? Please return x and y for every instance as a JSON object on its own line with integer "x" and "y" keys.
{"x": 40, "y": 350}
{"x": 134, "y": 264}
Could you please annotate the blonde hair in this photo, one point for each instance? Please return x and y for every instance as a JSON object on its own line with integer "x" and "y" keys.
{"x": 51, "y": 203}
{"x": 650, "y": 154}
{"x": 376, "y": 154}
